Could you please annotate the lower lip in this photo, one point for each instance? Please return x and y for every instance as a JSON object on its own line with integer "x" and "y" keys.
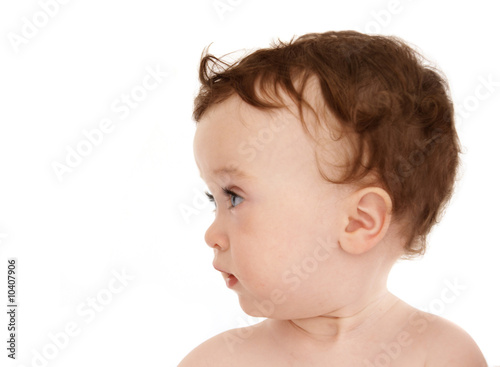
{"x": 231, "y": 281}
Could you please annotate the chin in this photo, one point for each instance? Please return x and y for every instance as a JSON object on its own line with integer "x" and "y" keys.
{"x": 258, "y": 308}
{"x": 267, "y": 309}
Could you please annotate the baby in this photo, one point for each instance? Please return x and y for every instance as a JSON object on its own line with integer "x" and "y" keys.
{"x": 328, "y": 158}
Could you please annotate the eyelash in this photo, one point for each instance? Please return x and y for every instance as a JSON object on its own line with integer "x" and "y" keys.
{"x": 229, "y": 195}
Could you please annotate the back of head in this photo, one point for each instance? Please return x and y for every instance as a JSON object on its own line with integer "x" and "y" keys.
{"x": 394, "y": 107}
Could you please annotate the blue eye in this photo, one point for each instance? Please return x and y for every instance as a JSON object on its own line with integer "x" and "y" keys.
{"x": 234, "y": 199}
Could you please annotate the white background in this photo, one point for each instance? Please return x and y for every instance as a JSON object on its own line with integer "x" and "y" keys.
{"x": 119, "y": 210}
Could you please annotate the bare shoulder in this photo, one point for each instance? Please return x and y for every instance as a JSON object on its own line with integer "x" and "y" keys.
{"x": 447, "y": 344}
{"x": 228, "y": 348}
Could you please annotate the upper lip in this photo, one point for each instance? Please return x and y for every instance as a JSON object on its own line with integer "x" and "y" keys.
{"x": 219, "y": 269}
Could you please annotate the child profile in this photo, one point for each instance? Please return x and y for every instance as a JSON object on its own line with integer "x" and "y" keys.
{"x": 328, "y": 158}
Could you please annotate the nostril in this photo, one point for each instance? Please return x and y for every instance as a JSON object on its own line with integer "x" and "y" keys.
{"x": 211, "y": 243}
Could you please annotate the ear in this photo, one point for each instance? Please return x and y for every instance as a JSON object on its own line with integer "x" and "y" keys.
{"x": 368, "y": 215}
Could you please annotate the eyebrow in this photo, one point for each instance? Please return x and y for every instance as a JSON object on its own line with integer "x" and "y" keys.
{"x": 232, "y": 171}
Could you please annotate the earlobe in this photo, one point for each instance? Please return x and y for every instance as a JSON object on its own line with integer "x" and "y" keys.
{"x": 368, "y": 218}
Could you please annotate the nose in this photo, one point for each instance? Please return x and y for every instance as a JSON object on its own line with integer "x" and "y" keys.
{"x": 216, "y": 237}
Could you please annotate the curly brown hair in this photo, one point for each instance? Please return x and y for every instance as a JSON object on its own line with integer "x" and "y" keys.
{"x": 382, "y": 91}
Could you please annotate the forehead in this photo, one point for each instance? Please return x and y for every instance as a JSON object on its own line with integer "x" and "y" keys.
{"x": 235, "y": 138}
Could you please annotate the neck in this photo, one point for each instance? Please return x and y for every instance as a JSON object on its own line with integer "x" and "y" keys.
{"x": 343, "y": 324}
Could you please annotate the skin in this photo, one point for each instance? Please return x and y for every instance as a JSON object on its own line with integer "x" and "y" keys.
{"x": 310, "y": 256}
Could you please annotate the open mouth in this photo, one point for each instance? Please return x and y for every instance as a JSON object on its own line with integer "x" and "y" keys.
{"x": 230, "y": 279}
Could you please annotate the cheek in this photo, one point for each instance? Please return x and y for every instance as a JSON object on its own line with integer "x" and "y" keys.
{"x": 268, "y": 249}
{"x": 259, "y": 254}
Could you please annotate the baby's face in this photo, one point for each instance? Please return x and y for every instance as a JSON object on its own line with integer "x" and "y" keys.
{"x": 276, "y": 223}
